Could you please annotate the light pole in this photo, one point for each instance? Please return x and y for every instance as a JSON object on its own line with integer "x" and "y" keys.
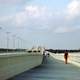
{"x": 14, "y": 41}
{"x": 7, "y": 40}
{"x": 24, "y": 44}
{"x": 0, "y": 37}
{"x": 19, "y": 42}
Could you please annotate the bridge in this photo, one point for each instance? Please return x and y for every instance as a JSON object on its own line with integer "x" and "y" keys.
{"x": 35, "y": 66}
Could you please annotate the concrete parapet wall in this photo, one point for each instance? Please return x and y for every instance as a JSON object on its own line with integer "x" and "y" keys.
{"x": 74, "y": 58}
{"x": 13, "y": 64}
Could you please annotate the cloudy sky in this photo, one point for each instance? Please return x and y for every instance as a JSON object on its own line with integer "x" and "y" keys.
{"x": 49, "y": 23}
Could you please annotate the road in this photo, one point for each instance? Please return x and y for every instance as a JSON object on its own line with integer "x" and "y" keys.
{"x": 51, "y": 69}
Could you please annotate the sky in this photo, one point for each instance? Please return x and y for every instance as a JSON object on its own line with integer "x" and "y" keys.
{"x": 49, "y": 23}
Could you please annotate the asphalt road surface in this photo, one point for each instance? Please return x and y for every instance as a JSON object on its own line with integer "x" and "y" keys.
{"x": 51, "y": 69}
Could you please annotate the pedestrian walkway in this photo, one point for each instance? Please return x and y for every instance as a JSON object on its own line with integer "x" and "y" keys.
{"x": 51, "y": 69}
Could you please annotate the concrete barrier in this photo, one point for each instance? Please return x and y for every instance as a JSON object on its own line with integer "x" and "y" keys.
{"x": 13, "y": 64}
{"x": 74, "y": 58}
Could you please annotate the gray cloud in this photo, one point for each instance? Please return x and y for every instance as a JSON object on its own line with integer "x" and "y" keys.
{"x": 41, "y": 18}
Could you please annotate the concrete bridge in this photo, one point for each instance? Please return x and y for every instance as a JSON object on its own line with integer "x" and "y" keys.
{"x": 33, "y": 66}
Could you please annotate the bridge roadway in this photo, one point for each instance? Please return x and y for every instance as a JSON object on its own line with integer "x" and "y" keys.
{"x": 51, "y": 69}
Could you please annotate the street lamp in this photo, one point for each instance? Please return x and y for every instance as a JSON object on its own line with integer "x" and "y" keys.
{"x": 7, "y": 40}
{"x": 24, "y": 44}
{"x": 0, "y": 37}
{"x": 14, "y": 41}
{"x": 19, "y": 42}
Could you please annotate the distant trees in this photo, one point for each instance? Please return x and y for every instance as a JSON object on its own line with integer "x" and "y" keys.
{"x": 2, "y": 50}
{"x": 62, "y": 50}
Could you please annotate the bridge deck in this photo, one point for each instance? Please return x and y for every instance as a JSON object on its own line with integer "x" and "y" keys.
{"x": 51, "y": 70}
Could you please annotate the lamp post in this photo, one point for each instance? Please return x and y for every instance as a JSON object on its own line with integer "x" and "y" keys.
{"x": 19, "y": 42}
{"x": 24, "y": 44}
{"x": 7, "y": 40}
{"x": 0, "y": 37}
{"x": 14, "y": 41}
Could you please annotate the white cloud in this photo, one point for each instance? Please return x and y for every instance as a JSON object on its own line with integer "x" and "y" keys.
{"x": 66, "y": 29}
{"x": 5, "y": 18}
{"x": 20, "y": 18}
{"x": 33, "y": 11}
{"x": 36, "y": 11}
{"x": 62, "y": 29}
{"x": 33, "y": 16}
{"x": 40, "y": 17}
{"x": 73, "y": 9}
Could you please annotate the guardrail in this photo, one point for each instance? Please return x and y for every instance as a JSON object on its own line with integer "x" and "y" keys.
{"x": 74, "y": 58}
{"x": 13, "y": 64}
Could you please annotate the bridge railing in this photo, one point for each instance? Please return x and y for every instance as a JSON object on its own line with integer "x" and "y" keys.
{"x": 12, "y": 64}
{"x": 74, "y": 58}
